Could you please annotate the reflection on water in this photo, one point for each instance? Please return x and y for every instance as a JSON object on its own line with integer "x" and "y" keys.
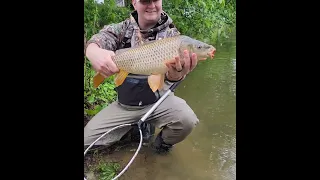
{"x": 225, "y": 161}
{"x": 210, "y": 151}
{"x": 211, "y": 91}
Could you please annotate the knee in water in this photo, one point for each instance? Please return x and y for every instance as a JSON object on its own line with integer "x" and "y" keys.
{"x": 188, "y": 120}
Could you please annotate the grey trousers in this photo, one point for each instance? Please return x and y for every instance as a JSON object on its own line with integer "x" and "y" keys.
{"x": 173, "y": 116}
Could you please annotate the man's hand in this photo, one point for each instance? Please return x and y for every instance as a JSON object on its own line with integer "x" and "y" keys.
{"x": 101, "y": 60}
{"x": 178, "y": 70}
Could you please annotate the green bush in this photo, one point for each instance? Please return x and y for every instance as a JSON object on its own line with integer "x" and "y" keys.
{"x": 95, "y": 17}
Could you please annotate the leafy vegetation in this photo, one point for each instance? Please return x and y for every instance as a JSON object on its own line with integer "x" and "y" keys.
{"x": 206, "y": 20}
{"x": 96, "y": 16}
{"x": 108, "y": 171}
{"x": 98, "y": 168}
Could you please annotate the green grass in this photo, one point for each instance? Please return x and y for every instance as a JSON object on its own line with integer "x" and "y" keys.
{"x": 107, "y": 171}
{"x": 99, "y": 168}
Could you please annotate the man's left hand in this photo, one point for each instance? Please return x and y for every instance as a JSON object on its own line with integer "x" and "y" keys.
{"x": 179, "y": 69}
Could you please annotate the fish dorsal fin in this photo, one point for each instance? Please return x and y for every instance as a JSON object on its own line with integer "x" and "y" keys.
{"x": 119, "y": 51}
{"x": 147, "y": 42}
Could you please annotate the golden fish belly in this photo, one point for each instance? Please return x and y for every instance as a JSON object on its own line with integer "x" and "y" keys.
{"x": 149, "y": 58}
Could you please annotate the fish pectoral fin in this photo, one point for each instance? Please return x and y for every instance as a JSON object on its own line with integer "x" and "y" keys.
{"x": 97, "y": 80}
{"x": 120, "y": 77}
{"x": 156, "y": 82}
{"x": 161, "y": 81}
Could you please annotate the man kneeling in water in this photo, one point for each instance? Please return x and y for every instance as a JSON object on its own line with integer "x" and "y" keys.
{"x": 148, "y": 22}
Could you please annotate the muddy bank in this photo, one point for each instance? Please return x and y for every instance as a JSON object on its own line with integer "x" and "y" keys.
{"x": 114, "y": 158}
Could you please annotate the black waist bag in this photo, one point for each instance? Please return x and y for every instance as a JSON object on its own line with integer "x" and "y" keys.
{"x": 135, "y": 92}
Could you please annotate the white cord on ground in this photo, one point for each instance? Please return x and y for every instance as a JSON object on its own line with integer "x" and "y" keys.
{"x": 117, "y": 127}
{"x": 134, "y": 156}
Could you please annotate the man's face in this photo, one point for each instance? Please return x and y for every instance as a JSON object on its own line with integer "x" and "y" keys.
{"x": 149, "y": 10}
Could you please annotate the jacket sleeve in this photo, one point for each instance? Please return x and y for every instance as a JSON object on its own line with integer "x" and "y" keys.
{"x": 173, "y": 32}
{"x": 109, "y": 36}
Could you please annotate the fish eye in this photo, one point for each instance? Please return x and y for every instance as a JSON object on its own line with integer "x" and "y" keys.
{"x": 199, "y": 46}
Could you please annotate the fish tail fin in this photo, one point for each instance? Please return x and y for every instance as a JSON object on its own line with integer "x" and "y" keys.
{"x": 97, "y": 80}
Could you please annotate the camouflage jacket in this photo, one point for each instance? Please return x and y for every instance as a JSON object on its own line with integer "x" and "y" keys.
{"x": 117, "y": 35}
{"x": 111, "y": 36}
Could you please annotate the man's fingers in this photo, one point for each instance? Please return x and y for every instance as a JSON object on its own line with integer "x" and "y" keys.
{"x": 169, "y": 66}
{"x": 112, "y": 67}
{"x": 194, "y": 61}
{"x": 186, "y": 61}
{"x": 106, "y": 71}
{"x": 104, "y": 74}
{"x": 178, "y": 64}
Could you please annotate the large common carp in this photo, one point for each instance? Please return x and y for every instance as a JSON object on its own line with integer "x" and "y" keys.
{"x": 150, "y": 59}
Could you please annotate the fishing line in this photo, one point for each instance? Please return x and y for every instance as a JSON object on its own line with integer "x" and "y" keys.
{"x": 139, "y": 123}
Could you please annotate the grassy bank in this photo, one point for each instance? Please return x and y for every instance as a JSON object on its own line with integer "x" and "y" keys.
{"x": 97, "y": 168}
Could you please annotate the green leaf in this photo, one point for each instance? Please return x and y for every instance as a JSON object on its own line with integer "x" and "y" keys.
{"x": 91, "y": 98}
{"x": 90, "y": 112}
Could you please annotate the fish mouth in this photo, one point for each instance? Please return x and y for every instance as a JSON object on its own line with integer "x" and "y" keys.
{"x": 211, "y": 53}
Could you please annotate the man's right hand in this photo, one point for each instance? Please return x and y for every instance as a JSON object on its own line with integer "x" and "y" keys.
{"x": 101, "y": 60}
